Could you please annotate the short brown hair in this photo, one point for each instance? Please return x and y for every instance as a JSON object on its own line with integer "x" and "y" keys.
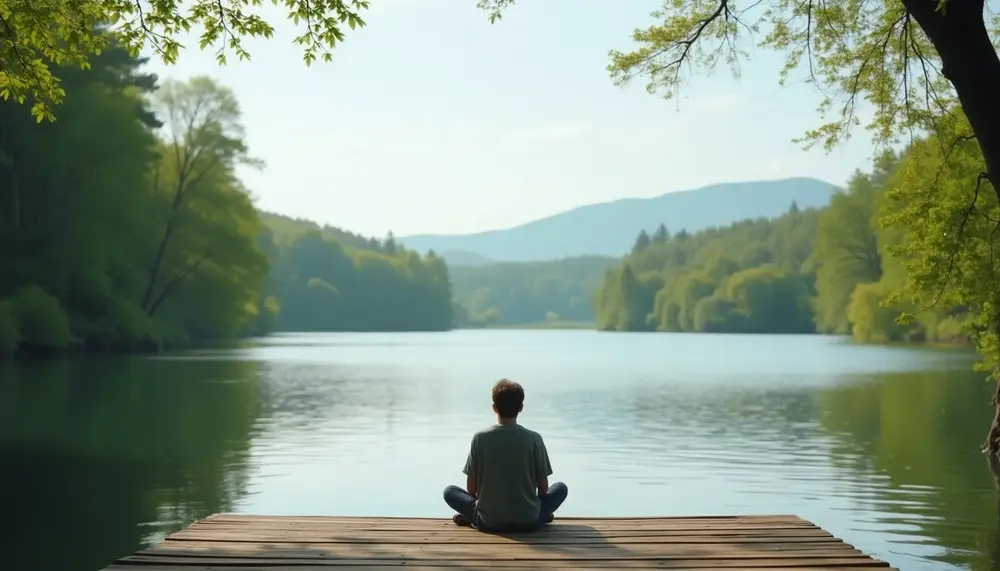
{"x": 508, "y": 397}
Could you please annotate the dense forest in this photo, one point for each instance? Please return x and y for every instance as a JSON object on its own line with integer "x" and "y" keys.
{"x": 752, "y": 276}
{"x": 558, "y": 292}
{"x": 144, "y": 238}
{"x": 125, "y": 228}
{"x": 838, "y": 270}
{"x": 318, "y": 284}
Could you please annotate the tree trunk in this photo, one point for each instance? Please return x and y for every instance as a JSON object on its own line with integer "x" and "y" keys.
{"x": 154, "y": 270}
{"x": 992, "y": 445}
{"x": 969, "y": 61}
{"x": 994, "y": 465}
{"x": 168, "y": 232}
{"x": 174, "y": 283}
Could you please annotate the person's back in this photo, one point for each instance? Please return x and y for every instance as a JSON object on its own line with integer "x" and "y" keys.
{"x": 507, "y": 472}
{"x": 508, "y": 461}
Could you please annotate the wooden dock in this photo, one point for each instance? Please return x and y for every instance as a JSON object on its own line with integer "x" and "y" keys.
{"x": 231, "y": 542}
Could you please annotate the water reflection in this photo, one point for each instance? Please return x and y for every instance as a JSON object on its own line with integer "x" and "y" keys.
{"x": 103, "y": 456}
{"x": 879, "y": 445}
{"x": 670, "y": 424}
{"x": 918, "y": 433}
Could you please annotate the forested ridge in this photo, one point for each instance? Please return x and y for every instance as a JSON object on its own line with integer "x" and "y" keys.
{"x": 125, "y": 228}
{"x": 144, "y": 238}
{"x": 557, "y": 292}
{"x": 837, "y": 270}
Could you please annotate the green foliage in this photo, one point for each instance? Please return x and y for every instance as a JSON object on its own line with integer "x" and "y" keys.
{"x": 285, "y": 230}
{"x": 860, "y": 279}
{"x": 849, "y": 251}
{"x": 513, "y": 293}
{"x": 947, "y": 212}
{"x": 76, "y": 208}
{"x": 322, "y": 286}
{"x": 873, "y": 320}
{"x": 144, "y": 237}
{"x": 903, "y": 253}
{"x": 770, "y": 299}
{"x": 35, "y": 36}
{"x": 642, "y": 242}
{"x": 849, "y": 245}
{"x": 851, "y": 50}
{"x": 754, "y": 276}
{"x": 40, "y": 318}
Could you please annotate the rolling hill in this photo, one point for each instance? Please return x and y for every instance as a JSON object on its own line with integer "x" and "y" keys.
{"x": 609, "y": 228}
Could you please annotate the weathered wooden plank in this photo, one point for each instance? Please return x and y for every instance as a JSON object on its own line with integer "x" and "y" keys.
{"x": 234, "y": 542}
{"x": 235, "y": 519}
{"x": 189, "y": 563}
{"x": 448, "y": 550}
{"x": 472, "y": 551}
{"x": 481, "y": 538}
{"x": 550, "y": 530}
{"x": 324, "y": 518}
{"x": 480, "y": 566}
{"x": 557, "y": 528}
{"x": 558, "y": 525}
{"x": 554, "y": 528}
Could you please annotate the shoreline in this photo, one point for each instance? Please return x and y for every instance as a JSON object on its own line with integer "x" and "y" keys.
{"x": 36, "y": 355}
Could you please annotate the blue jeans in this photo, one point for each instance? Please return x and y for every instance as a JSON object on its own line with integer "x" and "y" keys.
{"x": 465, "y": 504}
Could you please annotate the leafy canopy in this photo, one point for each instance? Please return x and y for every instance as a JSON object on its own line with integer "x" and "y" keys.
{"x": 851, "y": 50}
{"x": 34, "y": 34}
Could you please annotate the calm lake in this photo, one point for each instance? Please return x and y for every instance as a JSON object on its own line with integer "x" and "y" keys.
{"x": 878, "y": 445}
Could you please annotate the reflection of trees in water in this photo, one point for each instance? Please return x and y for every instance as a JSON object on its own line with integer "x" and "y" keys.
{"x": 301, "y": 396}
{"x": 912, "y": 439}
{"x": 728, "y": 417}
{"x": 922, "y": 433}
{"x": 100, "y": 454}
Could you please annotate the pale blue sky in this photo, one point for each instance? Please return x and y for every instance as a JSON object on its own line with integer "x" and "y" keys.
{"x": 432, "y": 120}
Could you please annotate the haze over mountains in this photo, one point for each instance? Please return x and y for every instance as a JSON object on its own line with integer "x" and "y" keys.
{"x": 610, "y": 228}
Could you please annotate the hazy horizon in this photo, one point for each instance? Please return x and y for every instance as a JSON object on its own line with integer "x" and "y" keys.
{"x": 550, "y": 214}
{"x": 578, "y": 206}
{"x": 430, "y": 120}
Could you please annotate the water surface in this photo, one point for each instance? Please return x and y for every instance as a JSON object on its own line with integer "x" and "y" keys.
{"x": 878, "y": 445}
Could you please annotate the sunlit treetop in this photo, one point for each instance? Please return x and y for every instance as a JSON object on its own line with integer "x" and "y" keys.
{"x": 37, "y": 33}
{"x": 850, "y": 50}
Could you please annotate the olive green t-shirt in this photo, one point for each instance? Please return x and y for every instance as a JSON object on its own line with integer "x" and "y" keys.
{"x": 507, "y": 461}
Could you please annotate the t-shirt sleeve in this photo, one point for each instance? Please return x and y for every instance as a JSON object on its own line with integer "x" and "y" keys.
{"x": 542, "y": 466}
{"x": 472, "y": 462}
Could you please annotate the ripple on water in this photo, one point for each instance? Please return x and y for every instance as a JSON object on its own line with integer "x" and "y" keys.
{"x": 877, "y": 445}
{"x": 671, "y": 431}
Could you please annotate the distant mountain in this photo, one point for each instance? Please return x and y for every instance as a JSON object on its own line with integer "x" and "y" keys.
{"x": 609, "y": 228}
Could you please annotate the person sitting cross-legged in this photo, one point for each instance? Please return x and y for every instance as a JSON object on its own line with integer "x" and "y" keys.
{"x": 508, "y": 469}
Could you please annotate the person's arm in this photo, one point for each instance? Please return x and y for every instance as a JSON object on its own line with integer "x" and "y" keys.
{"x": 543, "y": 468}
{"x": 471, "y": 469}
{"x": 470, "y": 485}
